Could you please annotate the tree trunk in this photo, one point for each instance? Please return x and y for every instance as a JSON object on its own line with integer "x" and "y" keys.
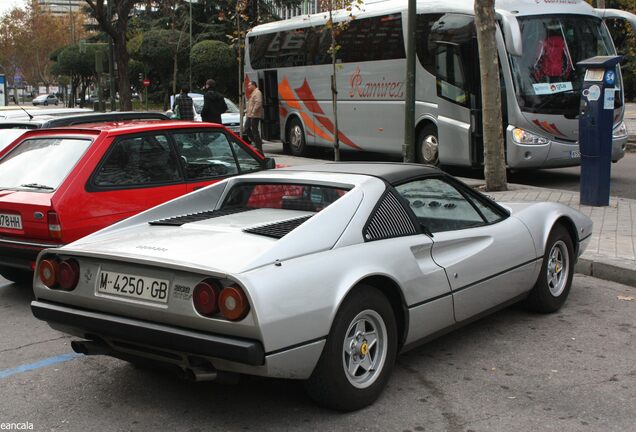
{"x": 334, "y": 90}
{"x": 494, "y": 162}
{"x": 122, "y": 58}
{"x": 600, "y": 4}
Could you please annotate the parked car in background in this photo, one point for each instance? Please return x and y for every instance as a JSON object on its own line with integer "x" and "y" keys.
{"x": 17, "y": 112}
{"x": 231, "y": 118}
{"x": 49, "y": 99}
{"x": 320, "y": 273}
{"x": 58, "y": 185}
{"x": 12, "y": 129}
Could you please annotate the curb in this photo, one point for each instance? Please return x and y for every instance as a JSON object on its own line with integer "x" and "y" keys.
{"x": 613, "y": 270}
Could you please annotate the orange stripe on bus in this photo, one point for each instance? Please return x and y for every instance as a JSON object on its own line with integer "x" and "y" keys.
{"x": 331, "y": 128}
{"x": 307, "y": 96}
{"x": 287, "y": 94}
{"x": 314, "y": 127}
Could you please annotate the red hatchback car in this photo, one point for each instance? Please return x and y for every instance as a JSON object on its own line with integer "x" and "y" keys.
{"x": 58, "y": 185}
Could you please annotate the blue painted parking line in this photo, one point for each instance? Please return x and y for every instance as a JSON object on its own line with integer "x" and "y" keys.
{"x": 38, "y": 364}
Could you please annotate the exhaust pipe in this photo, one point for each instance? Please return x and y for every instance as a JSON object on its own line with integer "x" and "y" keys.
{"x": 197, "y": 374}
{"x": 90, "y": 348}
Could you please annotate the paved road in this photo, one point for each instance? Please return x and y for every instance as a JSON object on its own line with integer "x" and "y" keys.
{"x": 570, "y": 371}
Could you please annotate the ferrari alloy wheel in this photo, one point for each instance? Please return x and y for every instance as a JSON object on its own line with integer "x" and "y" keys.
{"x": 296, "y": 138}
{"x": 428, "y": 145}
{"x": 359, "y": 353}
{"x": 555, "y": 279}
{"x": 557, "y": 271}
{"x": 364, "y": 348}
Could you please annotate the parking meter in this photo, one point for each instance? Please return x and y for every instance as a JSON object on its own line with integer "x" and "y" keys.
{"x": 595, "y": 128}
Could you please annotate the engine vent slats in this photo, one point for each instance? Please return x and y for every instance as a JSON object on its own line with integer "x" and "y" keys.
{"x": 197, "y": 217}
{"x": 389, "y": 220}
{"x": 279, "y": 229}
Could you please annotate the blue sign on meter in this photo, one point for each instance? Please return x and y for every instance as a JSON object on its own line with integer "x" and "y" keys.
{"x": 610, "y": 77}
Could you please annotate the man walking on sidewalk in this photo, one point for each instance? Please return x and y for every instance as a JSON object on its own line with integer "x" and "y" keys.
{"x": 254, "y": 115}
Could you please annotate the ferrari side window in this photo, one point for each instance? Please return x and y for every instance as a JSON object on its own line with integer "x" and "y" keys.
{"x": 438, "y": 206}
{"x": 205, "y": 155}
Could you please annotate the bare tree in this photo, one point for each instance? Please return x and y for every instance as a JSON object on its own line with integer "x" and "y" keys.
{"x": 335, "y": 29}
{"x": 494, "y": 162}
{"x": 117, "y": 28}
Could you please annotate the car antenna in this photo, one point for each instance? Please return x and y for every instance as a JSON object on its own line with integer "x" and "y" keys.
{"x": 27, "y": 113}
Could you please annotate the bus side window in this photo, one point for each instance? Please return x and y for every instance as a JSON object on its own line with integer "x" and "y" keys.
{"x": 451, "y": 80}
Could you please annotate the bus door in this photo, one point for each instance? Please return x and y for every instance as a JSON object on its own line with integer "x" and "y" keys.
{"x": 458, "y": 95}
{"x": 270, "y": 128}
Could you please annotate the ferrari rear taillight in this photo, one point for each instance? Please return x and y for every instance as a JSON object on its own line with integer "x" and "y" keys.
{"x": 205, "y": 297}
{"x": 55, "y": 228}
{"x": 210, "y": 298}
{"x": 68, "y": 274}
{"x": 59, "y": 274}
{"x": 233, "y": 303}
{"x": 47, "y": 272}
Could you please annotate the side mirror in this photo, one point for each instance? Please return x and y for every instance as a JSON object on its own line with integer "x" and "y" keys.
{"x": 269, "y": 163}
{"x": 512, "y": 33}
{"x": 618, "y": 14}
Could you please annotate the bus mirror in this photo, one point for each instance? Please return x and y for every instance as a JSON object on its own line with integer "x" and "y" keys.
{"x": 618, "y": 14}
{"x": 512, "y": 33}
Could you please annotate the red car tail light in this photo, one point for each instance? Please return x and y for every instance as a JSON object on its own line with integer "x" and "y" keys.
{"x": 233, "y": 303}
{"x": 205, "y": 297}
{"x": 47, "y": 272}
{"x": 55, "y": 229}
{"x": 68, "y": 274}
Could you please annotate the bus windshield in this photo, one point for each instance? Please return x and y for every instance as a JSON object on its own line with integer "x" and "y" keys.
{"x": 546, "y": 78}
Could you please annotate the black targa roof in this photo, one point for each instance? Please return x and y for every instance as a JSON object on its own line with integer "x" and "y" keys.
{"x": 393, "y": 173}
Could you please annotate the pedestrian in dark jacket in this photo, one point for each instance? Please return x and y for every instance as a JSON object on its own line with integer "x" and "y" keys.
{"x": 213, "y": 104}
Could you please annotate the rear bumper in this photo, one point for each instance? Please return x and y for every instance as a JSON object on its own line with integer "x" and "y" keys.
{"x": 21, "y": 254}
{"x": 89, "y": 325}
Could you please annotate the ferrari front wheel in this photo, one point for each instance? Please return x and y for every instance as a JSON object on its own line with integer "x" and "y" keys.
{"x": 555, "y": 279}
{"x": 359, "y": 353}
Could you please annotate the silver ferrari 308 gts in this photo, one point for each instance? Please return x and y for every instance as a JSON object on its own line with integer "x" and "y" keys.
{"x": 320, "y": 273}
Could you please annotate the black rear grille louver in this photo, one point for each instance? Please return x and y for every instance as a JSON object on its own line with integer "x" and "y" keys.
{"x": 279, "y": 229}
{"x": 389, "y": 220}
{"x": 197, "y": 217}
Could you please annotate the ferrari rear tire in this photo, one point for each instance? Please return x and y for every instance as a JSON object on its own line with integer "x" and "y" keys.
{"x": 359, "y": 354}
{"x": 17, "y": 275}
{"x": 555, "y": 279}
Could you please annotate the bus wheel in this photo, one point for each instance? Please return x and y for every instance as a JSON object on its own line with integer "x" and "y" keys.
{"x": 296, "y": 138}
{"x": 428, "y": 145}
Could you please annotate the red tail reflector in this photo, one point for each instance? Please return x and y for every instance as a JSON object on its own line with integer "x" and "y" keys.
{"x": 233, "y": 303}
{"x": 55, "y": 229}
{"x": 68, "y": 274}
{"x": 47, "y": 271}
{"x": 205, "y": 296}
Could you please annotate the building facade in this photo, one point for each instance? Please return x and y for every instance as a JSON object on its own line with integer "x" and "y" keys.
{"x": 62, "y": 7}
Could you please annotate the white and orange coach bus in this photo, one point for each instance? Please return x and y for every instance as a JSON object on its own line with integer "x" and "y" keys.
{"x": 539, "y": 43}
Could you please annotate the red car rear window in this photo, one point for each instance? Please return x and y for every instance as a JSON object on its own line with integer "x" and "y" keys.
{"x": 41, "y": 163}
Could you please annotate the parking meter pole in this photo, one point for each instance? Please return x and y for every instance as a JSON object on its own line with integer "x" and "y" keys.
{"x": 596, "y": 120}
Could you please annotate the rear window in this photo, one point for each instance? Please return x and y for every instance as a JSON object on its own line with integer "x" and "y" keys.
{"x": 41, "y": 163}
{"x": 286, "y": 196}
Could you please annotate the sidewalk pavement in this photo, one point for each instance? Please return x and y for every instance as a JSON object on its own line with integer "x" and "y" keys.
{"x": 611, "y": 254}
